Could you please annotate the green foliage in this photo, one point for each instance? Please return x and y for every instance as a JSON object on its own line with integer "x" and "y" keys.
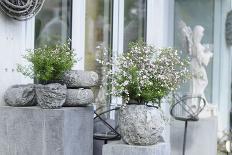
{"x": 49, "y": 62}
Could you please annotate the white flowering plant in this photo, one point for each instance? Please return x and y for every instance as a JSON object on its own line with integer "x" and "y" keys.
{"x": 145, "y": 73}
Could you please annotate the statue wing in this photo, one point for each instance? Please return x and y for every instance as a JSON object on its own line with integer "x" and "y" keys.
{"x": 187, "y": 37}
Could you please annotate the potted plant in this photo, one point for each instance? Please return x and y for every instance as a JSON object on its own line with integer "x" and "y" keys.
{"x": 48, "y": 63}
{"x": 47, "y": 66}
{"x": 142, "y": 76}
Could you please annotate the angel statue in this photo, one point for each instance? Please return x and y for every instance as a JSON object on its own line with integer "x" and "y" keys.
{"x": 200, "y": 55}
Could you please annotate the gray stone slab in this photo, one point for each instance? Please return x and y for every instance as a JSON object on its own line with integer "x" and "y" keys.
{"x": 125, "y": 149}
{"x": 201, "y": 137}
{"x": 36, "y": 131}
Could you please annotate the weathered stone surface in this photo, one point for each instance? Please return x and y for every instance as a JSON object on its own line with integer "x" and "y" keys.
{"x": 80, "y": 79}
{"x": 119, "y": 148}
{"x": 141, "y": 125}
{"x": 79, "y": 97}
{"x": 20, "y": 95}
{"x": 36, "y": 131}
{"x": 51, "y": 96}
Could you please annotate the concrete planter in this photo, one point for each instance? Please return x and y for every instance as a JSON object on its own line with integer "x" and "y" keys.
{"x": 141, "y": 125}
{"x": 36, "y": 131}
{"x": 201, "y": 137}
{"x": 119, "y": 148}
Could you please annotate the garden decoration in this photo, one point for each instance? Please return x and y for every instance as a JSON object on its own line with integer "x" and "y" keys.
{"x": 20, "y": 95}
{"x": 183, "y": 110}
{"x": 79, "y": 83}
{"x": 47, "y": 66}
{"x": 21, "y": 9}
{"x": 200, "y": 57}
{"x": 144, "y": 75}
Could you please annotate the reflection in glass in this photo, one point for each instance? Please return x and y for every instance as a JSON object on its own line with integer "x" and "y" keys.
{"x": 134, "y": 21}
{"x": 53, "y": 23}
{"x": 98, "y": 32}
{"x": 189, "y": 13}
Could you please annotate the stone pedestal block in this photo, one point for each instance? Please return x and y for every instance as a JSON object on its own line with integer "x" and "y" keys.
{"x": 36, "y": 131}
{"x": 124, "y": 149}
{"x": 201, "y": 137}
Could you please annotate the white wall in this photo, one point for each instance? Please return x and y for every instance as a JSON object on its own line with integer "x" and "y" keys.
{"x": 15, "y": 37}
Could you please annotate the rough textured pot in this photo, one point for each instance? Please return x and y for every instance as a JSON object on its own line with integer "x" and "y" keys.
{"x": 80, "y": 79}
{"x": 20, "y": 95}
{"x": 141, "y": 125}
{"x": 79, "y": 97}
{"x": 51, "y": 96}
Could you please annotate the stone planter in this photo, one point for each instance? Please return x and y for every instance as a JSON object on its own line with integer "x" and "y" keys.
{"x": 51, "y": 96}
{"x": 141, "y": 125}
{"x": 20, "y": 95}
{"x": 80, "y": 79}
{"x": 79, "y": 97}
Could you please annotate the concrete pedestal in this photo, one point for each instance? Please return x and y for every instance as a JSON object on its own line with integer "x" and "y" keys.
{"x": 201, "y": 137}
{"x": 123, "y": 149}
{"x": 36, "y": 131}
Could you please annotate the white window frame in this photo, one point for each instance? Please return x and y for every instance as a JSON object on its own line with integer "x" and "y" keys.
{"x": 78, "y": 32}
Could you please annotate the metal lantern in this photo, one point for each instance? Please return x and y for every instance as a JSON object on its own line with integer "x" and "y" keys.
{"x": 21, "y": 9}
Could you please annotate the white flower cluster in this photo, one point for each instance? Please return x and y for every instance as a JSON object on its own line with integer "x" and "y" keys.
{"x": 145, "y": 73}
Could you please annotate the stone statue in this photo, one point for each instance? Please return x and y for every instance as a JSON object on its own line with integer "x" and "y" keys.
{"x": 200, "y": 56}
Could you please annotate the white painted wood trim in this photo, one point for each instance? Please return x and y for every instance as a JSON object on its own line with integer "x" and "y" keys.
{"x": 78, "y": 32}
{"x": 118, "y": 37}
{"x": 29, "y": 35}
{"x": 158, "y": 22}
{"x": 216, "y": 56}
{"x": 118, "y": 27}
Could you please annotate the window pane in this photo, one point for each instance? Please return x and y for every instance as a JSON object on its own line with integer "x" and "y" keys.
{"x": 98, "y": 32}
{"x": 53, "y": 23}
{"x": 191, "y": 13}
{"x": 134, "y": 21}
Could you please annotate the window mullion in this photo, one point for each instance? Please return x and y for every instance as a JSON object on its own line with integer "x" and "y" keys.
{"x": 118, "y": 34}
{"x": 78, "y": 32}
